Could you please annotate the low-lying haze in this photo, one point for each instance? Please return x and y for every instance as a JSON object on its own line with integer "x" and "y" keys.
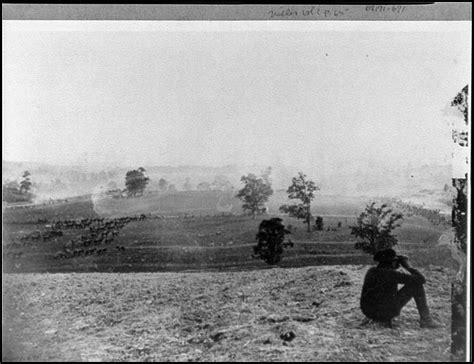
{"x": 211, "y": 95}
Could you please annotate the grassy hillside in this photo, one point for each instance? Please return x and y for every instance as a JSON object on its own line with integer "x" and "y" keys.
{"x": 211, "y": 202}
{"x": 213, "y": 242}
{"x": 186, "y": 231}
{"x": 70, "y": 210}
{"x": 156, "y": 244}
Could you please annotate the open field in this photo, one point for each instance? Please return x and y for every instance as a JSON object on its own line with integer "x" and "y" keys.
{"x": 176, "y": 240}
{"x": 214, "y": 202}
{"x": 216, "y": 243}
{"x": 170, "y": 244}
{"x": 214, "y": 316}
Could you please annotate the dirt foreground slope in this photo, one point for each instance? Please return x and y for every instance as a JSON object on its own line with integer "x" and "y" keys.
{"x": 227, "y": 316}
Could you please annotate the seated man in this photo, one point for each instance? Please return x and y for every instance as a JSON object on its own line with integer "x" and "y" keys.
{"x": 382, "y": 301}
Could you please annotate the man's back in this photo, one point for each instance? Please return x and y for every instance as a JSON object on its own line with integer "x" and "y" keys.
{"x": 379, "y": 292}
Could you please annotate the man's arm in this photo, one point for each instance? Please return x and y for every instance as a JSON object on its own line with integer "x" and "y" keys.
{"x": 413, "y": 272}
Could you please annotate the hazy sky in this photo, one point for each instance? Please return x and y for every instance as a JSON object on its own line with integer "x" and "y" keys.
{"x": 217, "y": 93}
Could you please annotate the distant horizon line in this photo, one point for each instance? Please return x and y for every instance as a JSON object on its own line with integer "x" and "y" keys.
{"x": 146, "y": 165}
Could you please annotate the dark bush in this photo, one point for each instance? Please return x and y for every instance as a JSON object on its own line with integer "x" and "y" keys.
{"x": 271, "y": 236}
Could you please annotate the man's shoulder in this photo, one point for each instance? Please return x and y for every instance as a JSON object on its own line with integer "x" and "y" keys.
{"x": 371, "y": 271}
{"x": 376, "y": 270}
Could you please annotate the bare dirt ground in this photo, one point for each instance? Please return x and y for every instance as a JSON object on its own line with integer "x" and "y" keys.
{"x": 225, "y": 316}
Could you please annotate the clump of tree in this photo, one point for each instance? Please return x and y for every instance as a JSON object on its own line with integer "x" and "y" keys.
{"x": 409, "y": 209}
{"x": 459, "y": 248}
{"x": 271, "y": 236}
{"x": 461, "y": 102}
{"x": 136, "y": 182}
{"x": 375, "y": 228}
{"x": 172, "y": 188}
{"x": 256, "y": 192}
{"x": 203, "y": 186}
{"x": 187, "y": 186}
{"x": 14, "y": 191}
{"x": 221, "y": 183}
{"x": 301, "y": 189}
{"x": 460, "y": 203}
{"x": 25, "y": 183}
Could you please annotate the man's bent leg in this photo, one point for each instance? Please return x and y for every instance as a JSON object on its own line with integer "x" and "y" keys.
{"x": 417, "y": 292}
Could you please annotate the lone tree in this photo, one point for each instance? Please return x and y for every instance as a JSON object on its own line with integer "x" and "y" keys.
{"x": 136, "y": 181}
{"x": 163, "y": 184}
{"x": 255, "y": 193}
{"x": 319, "y": 224}
{"x": 374, "y": 227}
{"x": 270, "y": 236}
{"x": 25, "y": 183}
{"x": 301, "y": 189}
{"x": 14, "y": 191}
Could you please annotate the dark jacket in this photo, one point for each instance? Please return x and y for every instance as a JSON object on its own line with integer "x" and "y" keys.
{"x": 379, "y": 293}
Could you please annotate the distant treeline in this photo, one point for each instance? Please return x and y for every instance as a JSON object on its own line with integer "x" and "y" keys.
{"x": 432, "y": 215}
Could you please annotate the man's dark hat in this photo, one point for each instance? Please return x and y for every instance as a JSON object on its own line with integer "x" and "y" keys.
{"x": 387, "y": 255}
